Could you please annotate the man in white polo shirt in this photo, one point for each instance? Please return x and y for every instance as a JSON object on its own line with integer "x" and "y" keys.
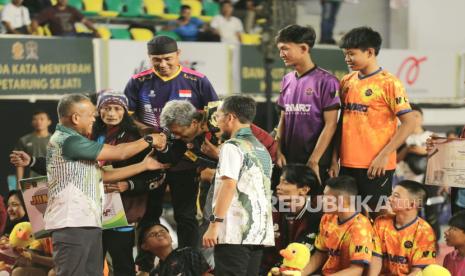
{"x": 228, "y": 27}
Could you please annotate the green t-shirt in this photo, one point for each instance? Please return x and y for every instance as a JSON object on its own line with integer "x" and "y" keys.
{"x": 34, "y": 146}
{"x": 78, "y": 147}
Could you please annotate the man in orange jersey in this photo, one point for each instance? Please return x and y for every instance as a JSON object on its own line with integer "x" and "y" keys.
{"x": 404, "y": 242}
{"x": 345, "y": 242}
{"x": 372, "y": 102}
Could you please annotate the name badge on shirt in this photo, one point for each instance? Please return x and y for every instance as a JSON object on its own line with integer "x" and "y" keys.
{"x": 184, "y": 93}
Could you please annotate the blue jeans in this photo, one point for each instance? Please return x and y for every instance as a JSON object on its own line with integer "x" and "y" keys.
{"x": 328, "y": 19}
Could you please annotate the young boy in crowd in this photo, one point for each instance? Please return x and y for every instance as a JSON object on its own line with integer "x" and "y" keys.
{"x": 372, "y": 101}
{"x": 404, "y": 242}
{"x": 295, "y": 218}
{"x": 345, "y": 242}
{"x": 156, "y": 239}
{"x": 455, "y": 236}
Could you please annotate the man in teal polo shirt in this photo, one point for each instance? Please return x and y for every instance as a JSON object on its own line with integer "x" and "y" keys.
{"x": 74, "y": 209}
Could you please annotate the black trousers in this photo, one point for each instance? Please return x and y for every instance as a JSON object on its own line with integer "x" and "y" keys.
{"x": 119, "y": 245}
{"x": 375, "y": 188}
{"x": 184, "y": 187}
{"x": 237, "y": 260}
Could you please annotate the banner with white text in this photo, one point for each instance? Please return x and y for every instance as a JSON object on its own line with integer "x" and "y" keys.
{"x": 35, "y": 66}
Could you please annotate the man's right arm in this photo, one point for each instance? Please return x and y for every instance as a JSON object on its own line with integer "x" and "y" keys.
{"x": 80, "y": 148}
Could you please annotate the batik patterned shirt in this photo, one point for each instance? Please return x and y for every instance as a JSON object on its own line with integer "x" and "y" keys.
{"x": 249, "y": 219}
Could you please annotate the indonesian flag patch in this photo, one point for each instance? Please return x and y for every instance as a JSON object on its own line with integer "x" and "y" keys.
{"x": 184, "y": 93}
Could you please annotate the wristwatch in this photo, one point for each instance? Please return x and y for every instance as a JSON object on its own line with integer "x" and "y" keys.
{"x": 149, "y": 140}
{"x": 214, "y": 219}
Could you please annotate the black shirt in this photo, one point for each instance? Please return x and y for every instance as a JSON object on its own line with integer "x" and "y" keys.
{"x": 182, "y": 261}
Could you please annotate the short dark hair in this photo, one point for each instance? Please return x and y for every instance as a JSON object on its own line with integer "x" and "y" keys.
{"x": 19, "y": 195}
{"x": 145, "y": 228}
{"x": 416, "y": 108}
{"x": 224, "y": 2}
{"x": 243, "y": 107}
{"x": 343, "y": 183}
{"x": 415, "y": 189}
{"x": 302, "y": 176}
{"x": 297, "y": 34}
{"x": 185, "y": 7}
{"x": 458, "y": 220}
{"x": 40, "y": 111}
{"x": 362, "y": 38}
{"x": 65, "y": 103}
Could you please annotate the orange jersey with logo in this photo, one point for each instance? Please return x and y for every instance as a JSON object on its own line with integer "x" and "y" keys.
{"x": 370, "y": 106}
{"x": 413, "y": 245}
{"x": 346, "y": 242}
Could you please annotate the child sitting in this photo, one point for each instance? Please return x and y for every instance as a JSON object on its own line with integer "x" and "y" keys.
{"x": 345, "y": 241}
{"x": 455, "y": 236}
{"x": 156, "y": 239}
{"x": 404, "y": 242}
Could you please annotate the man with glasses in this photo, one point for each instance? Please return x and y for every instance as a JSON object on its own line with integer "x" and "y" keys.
{"x": 241, "y": 223}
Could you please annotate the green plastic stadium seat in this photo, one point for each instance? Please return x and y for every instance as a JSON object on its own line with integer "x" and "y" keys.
{"x": 196, "y": 7}
{"x": 114, "y": 5}
{"x": 211, "y": 8}
{"x": 173, "y": 6}
{"x": 120, "y": 33}
{"x": 75, "y": 3}
{"x": 134, "y": 8}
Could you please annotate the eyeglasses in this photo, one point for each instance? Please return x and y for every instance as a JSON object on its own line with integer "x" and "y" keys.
{"x": 156, "y": 233}
{"x": 216, "y": 116}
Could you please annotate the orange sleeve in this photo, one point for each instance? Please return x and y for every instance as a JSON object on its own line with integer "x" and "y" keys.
{"x": 378, "y": 249}
{"x": 361, "y": 245}
{"x": 320, "y": 243}
{"x": 424, "y": 247}
{"x": 396, "y": 96}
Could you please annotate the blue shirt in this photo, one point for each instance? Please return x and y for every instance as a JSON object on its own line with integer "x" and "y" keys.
{"x": 189, "y": 31}
{"x": 148, "y": 92}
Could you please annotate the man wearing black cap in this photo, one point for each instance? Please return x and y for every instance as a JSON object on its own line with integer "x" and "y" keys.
{"x": 148, "y": 92}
